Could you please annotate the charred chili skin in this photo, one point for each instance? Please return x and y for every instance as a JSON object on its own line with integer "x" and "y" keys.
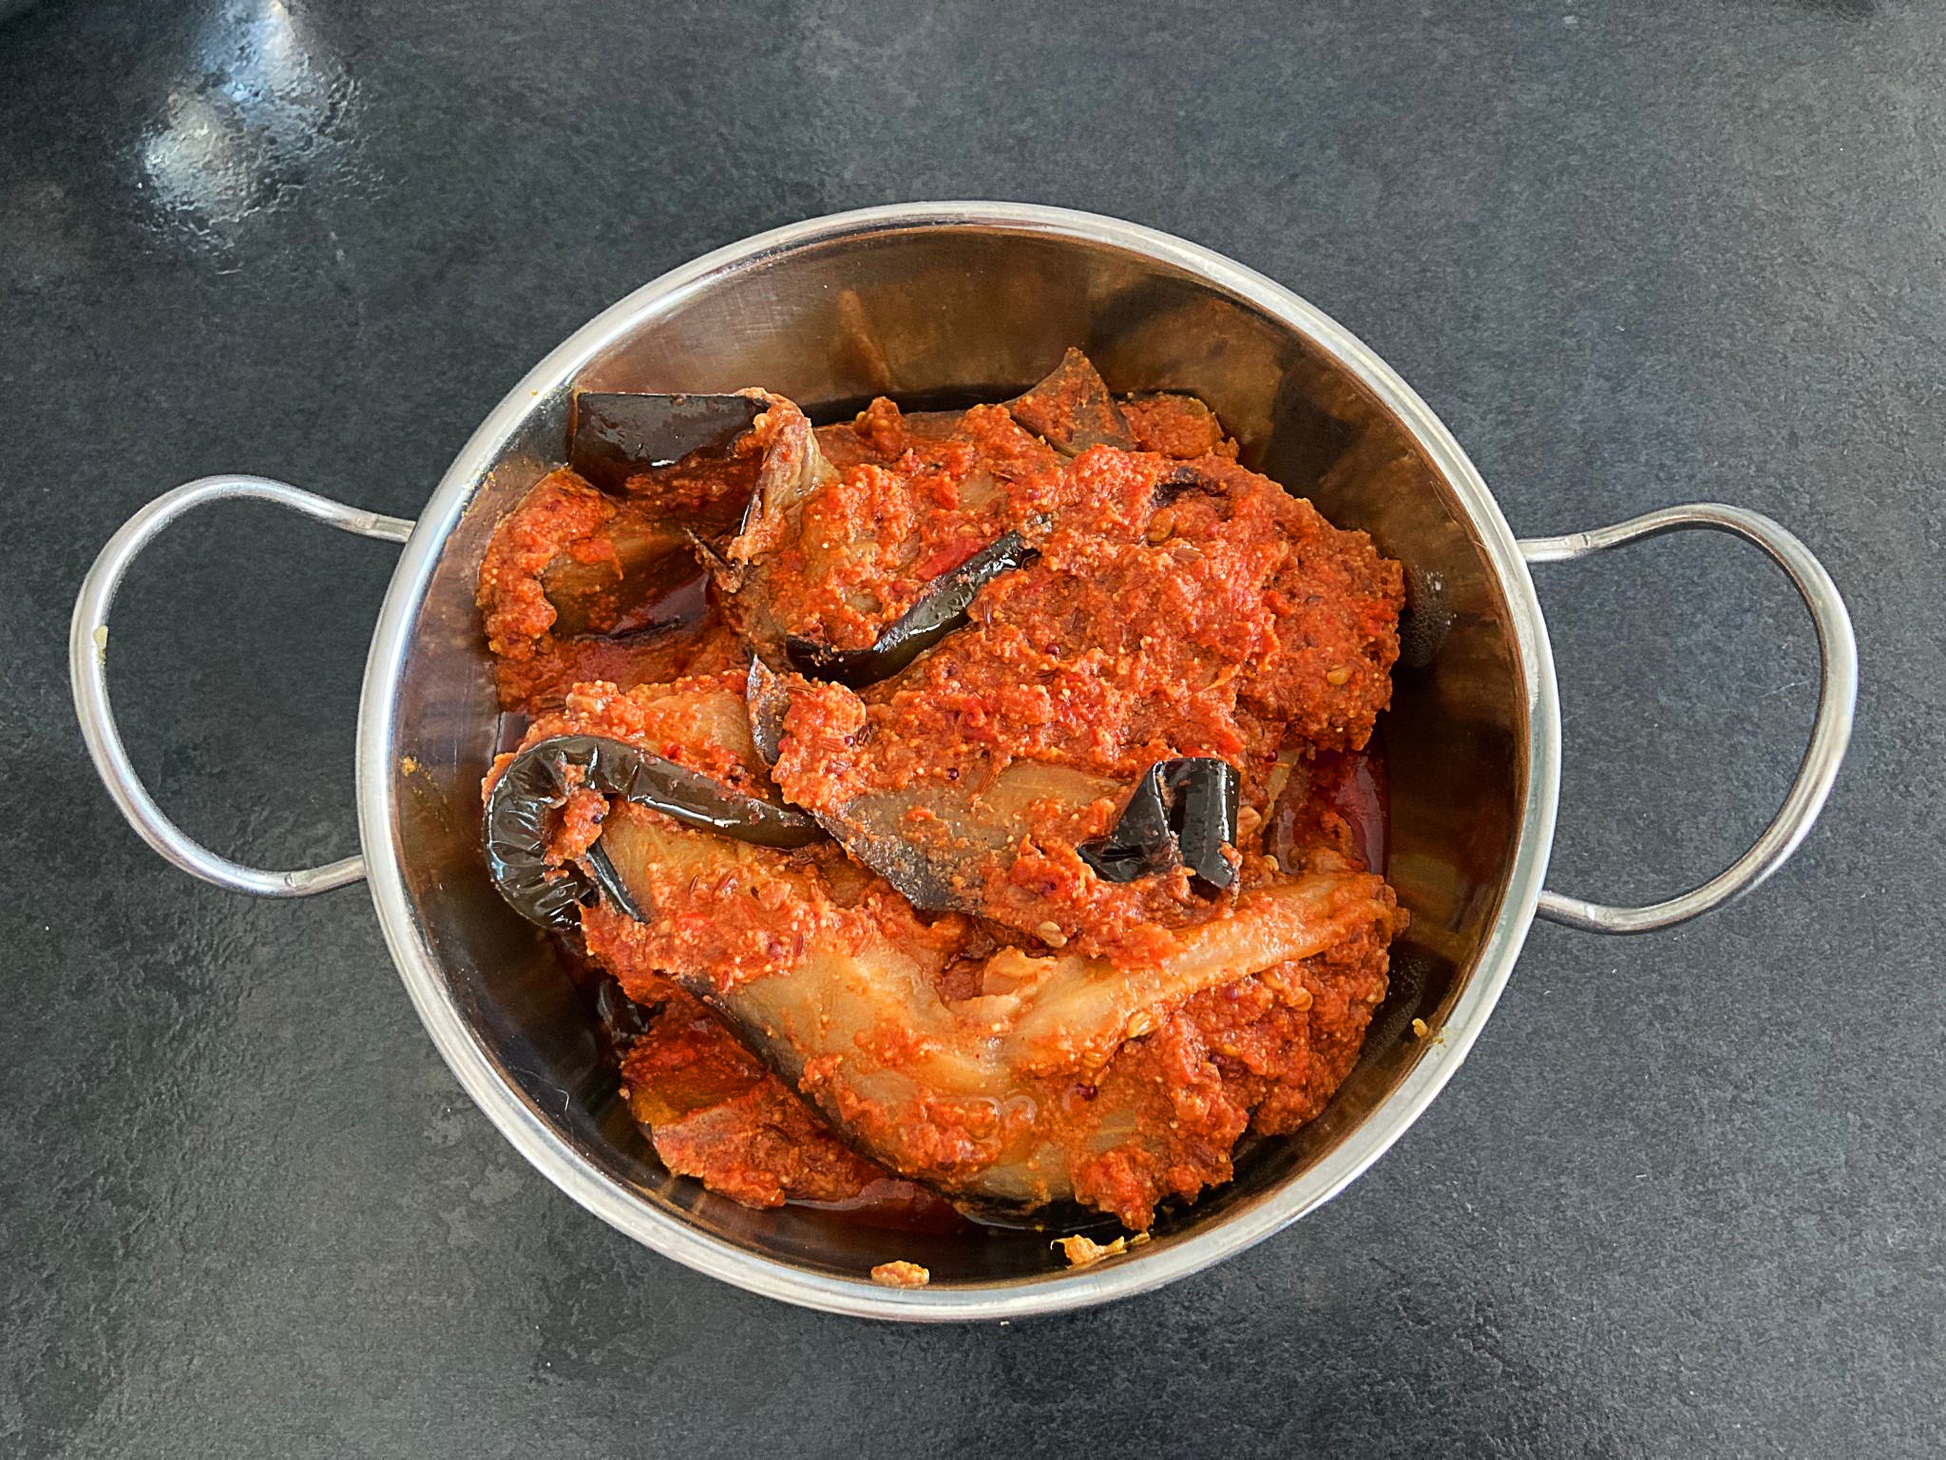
{"x": 538, "y": 781}
{"x": 1183, "y": 813}
{"x": 621, "y": 434}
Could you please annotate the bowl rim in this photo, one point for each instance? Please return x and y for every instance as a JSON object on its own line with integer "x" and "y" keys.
{"x": 525, "y": 1127}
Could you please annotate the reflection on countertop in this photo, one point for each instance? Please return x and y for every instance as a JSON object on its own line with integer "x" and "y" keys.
{"x": 260, "y": 107}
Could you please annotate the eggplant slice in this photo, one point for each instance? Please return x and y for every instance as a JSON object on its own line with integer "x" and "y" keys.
{"x": 939, "y": 859}
{"x": 767, "y": 701}
{"x": 794, "y": 468}
{"x": 618, "y": 436}
{"x": 1072, "y": 410}
{"x": 650, "y": 477}
{"x": 617, "y": 593}
{"x": 969, "y": 1095}
{"x": 941, "y": 609}
{"x": 538, "y": 782}
{"x": 941, "y": 862}
{"x": 935, "y": 840}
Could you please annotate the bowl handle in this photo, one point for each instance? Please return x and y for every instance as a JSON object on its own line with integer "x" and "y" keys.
{"x": 1838, "y": 652}
{"x": 88, "y": 671}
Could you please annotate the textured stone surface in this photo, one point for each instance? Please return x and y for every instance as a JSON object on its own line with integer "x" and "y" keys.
{"x": 1687, "y": 1195}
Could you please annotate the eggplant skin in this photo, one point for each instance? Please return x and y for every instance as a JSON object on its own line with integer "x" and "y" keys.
{"x": 1183, "y": 813}
{"x": 941, "y": 610}
{"x": 538, "y": 781}
{"x": 618, "y": 435}
{"x": 1072, "y": 410}
{"x": 768, "y": 701}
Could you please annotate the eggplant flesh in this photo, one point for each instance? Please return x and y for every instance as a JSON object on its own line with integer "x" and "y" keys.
{"x": 611, "y": 578}
{"x": 539, "y": 780}
{"x": 620, "y": 435}
{"x": 965, "y": 1095}
{"x": 766, "y": 701}
{"x": 844, "y": 447}
{"x": 1183, "y": 814}
{"x": 936, "y": 860}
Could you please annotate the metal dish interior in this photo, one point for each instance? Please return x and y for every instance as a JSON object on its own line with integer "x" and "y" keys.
{"x": 962, "y": 302}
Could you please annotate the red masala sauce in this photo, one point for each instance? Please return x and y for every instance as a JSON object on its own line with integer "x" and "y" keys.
{"x": 1232, "y": 621}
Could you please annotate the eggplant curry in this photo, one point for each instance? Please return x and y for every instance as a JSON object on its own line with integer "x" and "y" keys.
{"x": 955, "y": 813}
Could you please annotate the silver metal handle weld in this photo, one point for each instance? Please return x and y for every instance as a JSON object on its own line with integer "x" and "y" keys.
{"x": 88, "y": 671}
{"x": 1830, "y": 733}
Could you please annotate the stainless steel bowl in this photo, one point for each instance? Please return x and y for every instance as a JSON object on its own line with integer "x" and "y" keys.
{"x": 978, "y": 296}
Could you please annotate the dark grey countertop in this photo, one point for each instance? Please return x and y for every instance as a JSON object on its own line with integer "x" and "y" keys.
{"x": 1689, "y": 1194}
